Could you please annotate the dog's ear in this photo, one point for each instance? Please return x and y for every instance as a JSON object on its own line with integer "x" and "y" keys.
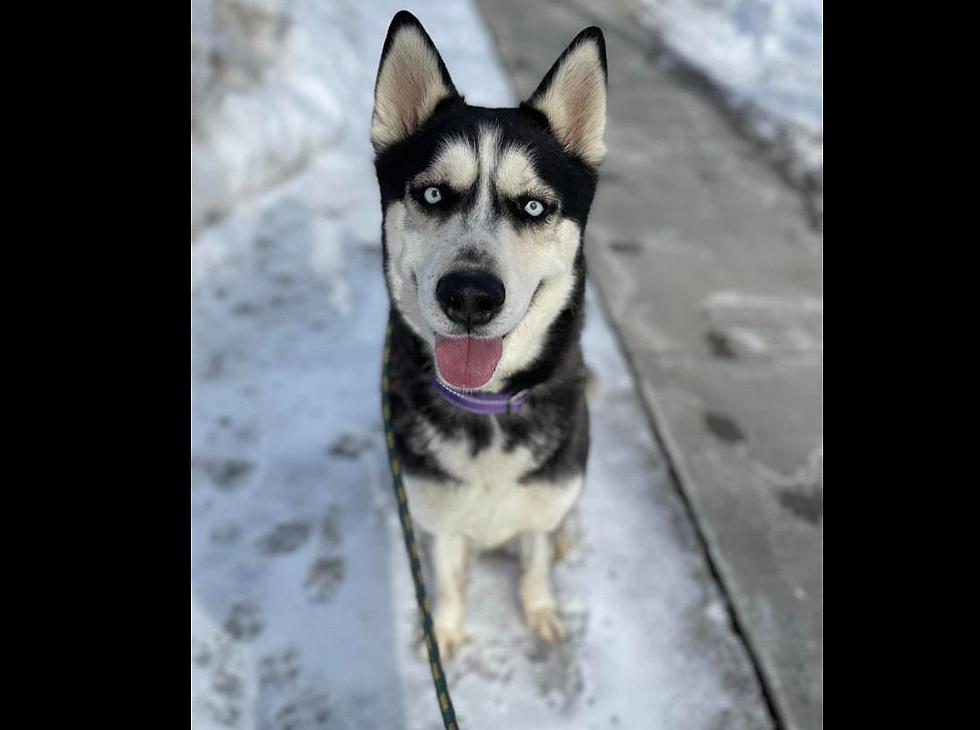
{"x": 572, "y": 97}
{"x": 412, "y": 80}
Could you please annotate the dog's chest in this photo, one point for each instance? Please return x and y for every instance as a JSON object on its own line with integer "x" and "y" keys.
{"x": 489, "y": 504}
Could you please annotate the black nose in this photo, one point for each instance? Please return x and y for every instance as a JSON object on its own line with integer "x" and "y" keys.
{"x": 470, "y": 298}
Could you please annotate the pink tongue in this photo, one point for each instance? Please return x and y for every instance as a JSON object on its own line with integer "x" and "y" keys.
{"x": 468, "y": 362}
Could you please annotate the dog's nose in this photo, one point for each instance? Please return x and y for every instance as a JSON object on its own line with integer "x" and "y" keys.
{"x": 470, "y": 298}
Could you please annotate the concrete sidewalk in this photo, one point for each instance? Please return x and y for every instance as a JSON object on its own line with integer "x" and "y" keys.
{"x": 714, "y": 280}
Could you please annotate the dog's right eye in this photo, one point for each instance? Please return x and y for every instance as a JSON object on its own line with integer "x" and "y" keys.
{"x": 435, "y": 198}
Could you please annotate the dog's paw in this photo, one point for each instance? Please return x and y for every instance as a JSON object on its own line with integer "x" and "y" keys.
{"x": 545, "y": 623}
{"x": 449, "y": 639}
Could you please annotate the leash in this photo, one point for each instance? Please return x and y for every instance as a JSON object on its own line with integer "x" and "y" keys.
{"x": 425, "y": 616}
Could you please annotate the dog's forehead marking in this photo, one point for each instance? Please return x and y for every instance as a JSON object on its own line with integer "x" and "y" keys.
{"x": 488, "y": 146}
{"x": 455, "y": 165}
{"x": 516, "y": 174}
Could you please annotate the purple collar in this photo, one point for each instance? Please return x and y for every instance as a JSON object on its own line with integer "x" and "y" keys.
{"x": 480, "y": 403}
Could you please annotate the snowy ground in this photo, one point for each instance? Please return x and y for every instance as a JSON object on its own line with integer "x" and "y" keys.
{"x": 767, "y": 58}
{"x": 302, "y": 611}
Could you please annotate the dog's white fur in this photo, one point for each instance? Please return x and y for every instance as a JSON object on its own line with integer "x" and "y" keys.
{"x": 487, "y": 509}
{"x": 423, "y": 248}
{"x": 489, "y": 506}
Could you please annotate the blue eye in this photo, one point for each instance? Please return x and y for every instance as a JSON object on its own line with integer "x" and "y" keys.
{"x": 534, "y": 208}
{"x": 432, "y": 195}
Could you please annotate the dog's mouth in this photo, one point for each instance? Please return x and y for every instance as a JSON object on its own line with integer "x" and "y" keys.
{"x": 468, "y": 362}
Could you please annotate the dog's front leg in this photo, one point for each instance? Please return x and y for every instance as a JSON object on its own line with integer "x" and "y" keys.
{"x": 449, "y": 566}
{"x": 537, "y": 601}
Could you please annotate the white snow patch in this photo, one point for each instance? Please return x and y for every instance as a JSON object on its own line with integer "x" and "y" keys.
{"x": 767, "y": 55}
{"x": 731, "y": 299}
{"x": 717, "y": 612}
{"x": 749, "y": 340}
{"x": 276, "y": 82}
{"x": 223, "y": 675}
{"x": 807, "y": 476}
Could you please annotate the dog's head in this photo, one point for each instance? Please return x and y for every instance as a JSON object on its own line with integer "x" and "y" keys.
{"x": 484, "y": 209}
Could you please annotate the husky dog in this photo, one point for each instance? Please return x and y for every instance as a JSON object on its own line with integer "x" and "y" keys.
{"x": 483, "y": 218}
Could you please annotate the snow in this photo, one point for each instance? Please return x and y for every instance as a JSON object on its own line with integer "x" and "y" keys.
{"x": 275, "y": 83}
{"x": 767, "y": 55}
{"x": 302, "y": 609}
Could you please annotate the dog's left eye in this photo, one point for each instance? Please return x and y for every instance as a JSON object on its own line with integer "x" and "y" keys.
{"x": 534, "y": 208}
{"x": 432, "y": 195}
